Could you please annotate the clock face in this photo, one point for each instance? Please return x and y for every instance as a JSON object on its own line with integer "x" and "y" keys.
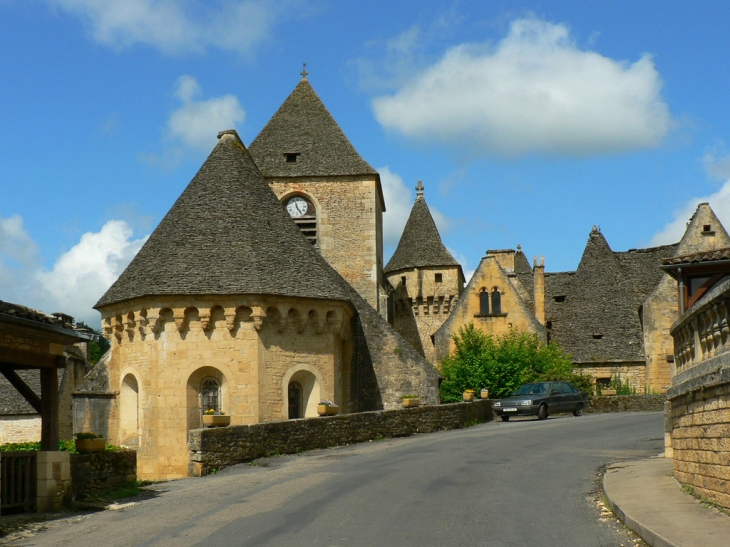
{"x": 297, "y": 206}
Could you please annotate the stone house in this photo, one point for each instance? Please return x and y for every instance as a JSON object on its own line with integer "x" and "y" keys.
{"x": 612, "y": 315}
{"x": 697, "y": 415}
{"x": 426, "y": 280}
{"x": 233, "y": 304}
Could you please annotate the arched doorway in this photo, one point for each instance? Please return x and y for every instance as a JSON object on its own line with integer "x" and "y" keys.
{"x": 296, "y": 400}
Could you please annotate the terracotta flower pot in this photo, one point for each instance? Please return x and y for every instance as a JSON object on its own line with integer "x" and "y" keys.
{"x": 325, "y": 410}
{"x": 85, "y": 446}
{"x": 608, "y": 392}
{"x": 484, "y": 394}
{"x": 411, "y": 402}
{"x": 468, "y": 397}
{"x": 212, "y": 420}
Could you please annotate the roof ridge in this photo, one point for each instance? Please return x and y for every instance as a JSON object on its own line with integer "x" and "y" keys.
{"x": 302, "y": 138}
{"x": 227, "y": 233}
{"x": 420, "y": 244}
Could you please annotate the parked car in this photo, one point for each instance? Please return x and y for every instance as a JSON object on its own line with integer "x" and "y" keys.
{"x": 541, "y": 399}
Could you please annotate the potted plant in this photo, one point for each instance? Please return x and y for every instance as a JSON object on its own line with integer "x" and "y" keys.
{"x": 469, "y": 395}
{"x": 484, "y": 394}
{"x": 89, "y": 442}
{"x": 410, "y": 401}
{"x": 211, "y": 418}
{"x": 327, "y": 408}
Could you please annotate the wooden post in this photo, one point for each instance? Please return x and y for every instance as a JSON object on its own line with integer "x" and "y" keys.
{"x": 49, "y": 407}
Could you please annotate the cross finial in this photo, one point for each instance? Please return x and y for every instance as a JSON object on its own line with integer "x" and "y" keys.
{"x": 419, "y": 189}
{"x": 304, "y": 72}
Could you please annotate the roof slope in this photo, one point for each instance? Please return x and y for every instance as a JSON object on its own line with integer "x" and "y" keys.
{"x": 227, "y": 234}
{"x": 420, "y": 244}
{"x": 304, "y": 126}
{"x": 598, "y": 319}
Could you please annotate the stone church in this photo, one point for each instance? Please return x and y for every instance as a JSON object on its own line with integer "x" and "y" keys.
{"x": 260, "y": 293}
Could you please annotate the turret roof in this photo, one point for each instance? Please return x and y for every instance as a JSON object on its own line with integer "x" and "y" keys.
{"x": 303, "y": 126}
{"x": 227, "y": 234}
{"x": 420, "y": 245}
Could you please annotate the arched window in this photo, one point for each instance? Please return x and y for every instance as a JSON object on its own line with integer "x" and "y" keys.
{"x": 210, "y": 394}
{"x": 304, "y": 214}
{"x": 484, "y": 302}
{"x": 296, "y": 399}
{"x": 496, "y": 301}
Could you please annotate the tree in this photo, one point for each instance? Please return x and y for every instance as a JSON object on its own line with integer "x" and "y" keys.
{"x": 502, "y": 364}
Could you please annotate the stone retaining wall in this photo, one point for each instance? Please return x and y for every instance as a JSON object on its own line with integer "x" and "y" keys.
{"x": 102, "y": 470}
{"x": 627, "y": 403}
{"x": 217, "y": 448}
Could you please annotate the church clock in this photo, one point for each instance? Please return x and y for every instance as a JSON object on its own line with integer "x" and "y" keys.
{"x": 297, "y": 206}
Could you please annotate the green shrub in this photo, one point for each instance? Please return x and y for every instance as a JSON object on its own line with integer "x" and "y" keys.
{"x": 502, "y": 364}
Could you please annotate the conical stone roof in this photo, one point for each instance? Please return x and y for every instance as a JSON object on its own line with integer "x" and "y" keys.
{"x": 227, "y": 234}
{"x": 420, "y": 245}
{"x": 303, "y": 126}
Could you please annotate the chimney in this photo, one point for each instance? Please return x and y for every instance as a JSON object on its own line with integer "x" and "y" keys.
{"x": 539, "y": 283}
{"x": 505, "y": 258}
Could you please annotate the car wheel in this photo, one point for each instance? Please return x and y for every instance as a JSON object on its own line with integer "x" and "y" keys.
{"x": 578, "y": 411}
{"x": 542, "y": 412}
{"x": 505, "y": 418}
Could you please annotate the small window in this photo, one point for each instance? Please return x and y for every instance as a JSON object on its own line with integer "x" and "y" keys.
{"x": 292, "y": 157}
{"x": 560, "y": 298}
{"x": 670, "y": 358}
{"x": 597, "y": 336}
{"x": 438, "y": 278}
{"x": 484, "y": 302}
{"x": 403, "y": 280}
{"x": 496, "y": 301}
{"x": 210, "y": 391}
{"x": 549, "y": 324}
{"x": 707, "y": 228}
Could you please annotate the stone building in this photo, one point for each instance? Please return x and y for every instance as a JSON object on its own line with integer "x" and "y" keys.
{"x": 228, "y": 306}
{"x": 504, "y": 293}
{"x": 697, "y": 420}
{"x": 612, "y": 315}
{"x": 426, "y": 280}
{"x": 331, "y": 192}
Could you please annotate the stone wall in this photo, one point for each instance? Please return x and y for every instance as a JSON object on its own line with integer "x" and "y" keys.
{"x": 102, "y": 470}
{"x": 220, "y": 447}
{"x": 23, "y": 428}
{"x": 349, "y": 226}
{"x": 634, "y": 372}
{"x": 627, "y": 403}
{"x": 700, "y": 428}
{"x": 53, "y": 481}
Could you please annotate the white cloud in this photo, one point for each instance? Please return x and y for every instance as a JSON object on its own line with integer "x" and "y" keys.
{"x": 79, "y": 276}
{"x": 537, "y": 91}
{"x": 197, "y": 122}
{"x": 717, "y": 162}
{"x": 673, "y": 232}
{"x": 176, "y": 26}
{"x": 398, "y": 204}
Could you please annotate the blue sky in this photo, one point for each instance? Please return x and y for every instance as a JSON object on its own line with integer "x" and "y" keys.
{"x": 528, "y": 122}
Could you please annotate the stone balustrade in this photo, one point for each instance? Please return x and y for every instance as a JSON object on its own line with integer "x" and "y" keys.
{"x": 704, "y": 332}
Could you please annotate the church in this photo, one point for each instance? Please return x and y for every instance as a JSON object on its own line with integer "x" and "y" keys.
{"x": 259, "y": 294}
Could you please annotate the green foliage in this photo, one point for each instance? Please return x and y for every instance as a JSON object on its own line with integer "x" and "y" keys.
{"x": 502, "y": 364}
{"x": 622, "y": 387}
{"x": 63, "y": 446}
{"x": 96, "y": 349}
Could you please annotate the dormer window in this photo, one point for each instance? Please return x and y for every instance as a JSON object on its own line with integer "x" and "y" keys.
{"x": 291, "y": 157}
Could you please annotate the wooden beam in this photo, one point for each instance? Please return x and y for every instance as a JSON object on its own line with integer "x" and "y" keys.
{"x": 27, "y": 358}
{"x": 23, "y": 388}
{"x": 49, "y": 408}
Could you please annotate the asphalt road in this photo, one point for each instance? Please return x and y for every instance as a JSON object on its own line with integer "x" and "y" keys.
{"x": 520, "y": 483}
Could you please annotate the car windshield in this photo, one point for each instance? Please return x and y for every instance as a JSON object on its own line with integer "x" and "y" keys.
{"x": 532, "y": 389}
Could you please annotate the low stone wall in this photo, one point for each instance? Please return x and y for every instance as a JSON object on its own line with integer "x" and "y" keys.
{"x": 102, "y": 470}
{"x": 217, "y": 448}
{"x": 626, "y": 403}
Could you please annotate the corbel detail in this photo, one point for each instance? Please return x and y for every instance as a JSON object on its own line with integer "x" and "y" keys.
{"x": 204, "y": 315}
{"x": 178, "y": 314}
{"x": 257, "y": 316}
